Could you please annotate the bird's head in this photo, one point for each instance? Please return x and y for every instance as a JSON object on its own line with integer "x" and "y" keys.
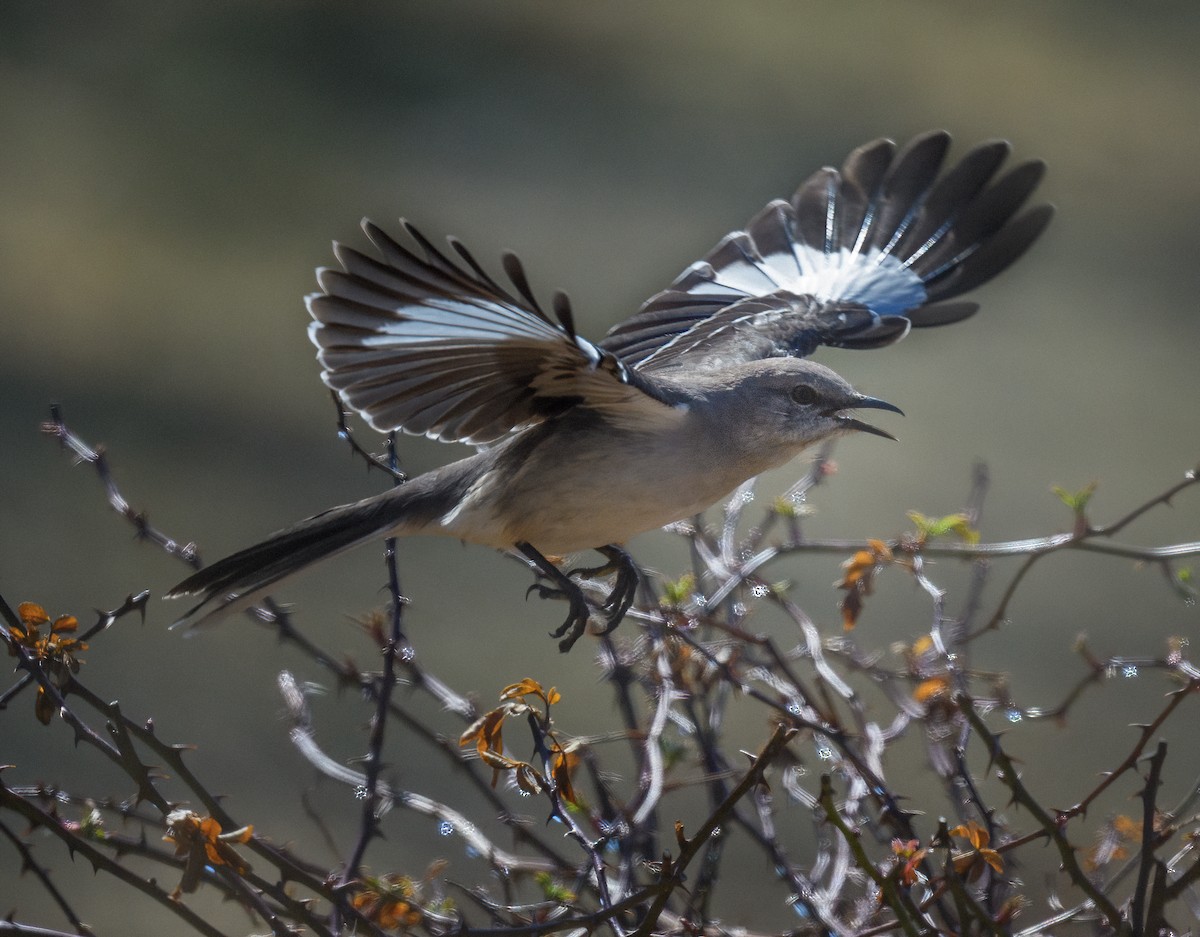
{"x": 786, "y": 404}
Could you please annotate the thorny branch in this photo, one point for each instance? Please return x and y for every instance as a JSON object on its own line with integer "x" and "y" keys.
{"x": 97, "y": 457}
{"x": 681, "y": 670}
{"x": 396, "y": 646}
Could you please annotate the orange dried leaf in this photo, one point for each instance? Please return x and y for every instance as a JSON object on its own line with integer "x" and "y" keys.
{"x": 1127, "y": 826}
{"x": 857, "y": 567}
{"x": 972, "y": 832}
{"x": 64, "y": 623}
{"x": 528, "y": 778}
{"x": 562, "y": 767}
{"x": 200, "y": 840}
{"x": 486, "y": 732}
{"x": 388, "y": 902}
{"x": 498, "y": 761}
{"x": 858, "y": 580}
{"x": 44, "y": 707}
{"x": 530, "y": 687}
{"x": 525, "y": 687}
{"x": 930, "y": 689}
{"x": 970, "y": 865}
{"x": 909, "y": 850}
{"x": 32, "y": 614}
{"x": 882, "y": 551}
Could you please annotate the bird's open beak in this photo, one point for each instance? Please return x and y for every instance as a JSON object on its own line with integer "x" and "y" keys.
{"x": 863, "y": 402}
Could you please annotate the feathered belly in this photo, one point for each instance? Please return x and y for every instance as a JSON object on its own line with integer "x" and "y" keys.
{"x": 571, "y": 506}
{"x": 600, "y": 517}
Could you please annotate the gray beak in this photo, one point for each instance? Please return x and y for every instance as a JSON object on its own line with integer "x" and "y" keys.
{"x": 863, "y": 402}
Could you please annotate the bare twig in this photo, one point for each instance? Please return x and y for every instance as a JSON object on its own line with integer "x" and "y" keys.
{"x": 98, "y": 459}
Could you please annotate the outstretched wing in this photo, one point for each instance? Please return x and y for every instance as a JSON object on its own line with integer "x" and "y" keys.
{"x": 424, "y": 345}
{"x": 855, "y": 259}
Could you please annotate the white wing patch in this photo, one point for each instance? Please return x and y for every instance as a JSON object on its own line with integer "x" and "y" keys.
{"x": 879, "y": 281}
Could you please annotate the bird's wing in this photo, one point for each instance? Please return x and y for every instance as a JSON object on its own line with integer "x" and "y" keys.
{"x": 428, "y": 346}
{"x": 860, "y": 255}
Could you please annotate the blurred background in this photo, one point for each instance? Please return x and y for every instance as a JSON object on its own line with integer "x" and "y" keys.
{"x": 171, "y": 173}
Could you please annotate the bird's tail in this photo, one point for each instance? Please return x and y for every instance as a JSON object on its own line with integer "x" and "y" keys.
{"x": 236, "y": 581}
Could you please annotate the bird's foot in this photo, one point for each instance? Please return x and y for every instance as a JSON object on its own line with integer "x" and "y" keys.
{"x": 562, "y": 586}
{"x": 624, "y": 589}
{"x": 577, "y": 619}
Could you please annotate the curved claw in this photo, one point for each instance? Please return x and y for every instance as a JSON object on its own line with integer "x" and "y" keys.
{"x": 545, "y": 592}
{"x": 615, "y": 606}
{"x": 617, "y": 611}
{"x": 575, "y": 624}
{"x": 624, "y": 591}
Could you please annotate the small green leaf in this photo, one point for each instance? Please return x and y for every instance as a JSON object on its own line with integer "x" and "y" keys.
{"x": 1076, "y": 500}
{"x": 923, "y": 523}
{"x": 785, "y": 507}
{"x": 930, "y": 527}
{"x": 552, "y": 890}
{"x": 680, "y": 592}
{"x": 92, "y": 825}
{"x": 965, "y": 531}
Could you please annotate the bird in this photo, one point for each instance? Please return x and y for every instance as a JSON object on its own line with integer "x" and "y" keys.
{"x": 584, "y": 444}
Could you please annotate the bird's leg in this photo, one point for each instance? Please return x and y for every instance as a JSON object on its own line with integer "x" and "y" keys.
{"x": 619, "y": 600}
{"x": 563, "y": 588}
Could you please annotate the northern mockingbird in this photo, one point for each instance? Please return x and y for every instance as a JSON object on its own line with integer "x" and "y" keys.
{"x": 585, "y": 444}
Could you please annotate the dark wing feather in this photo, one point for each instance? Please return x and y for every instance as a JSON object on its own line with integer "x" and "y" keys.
{"x": 908, "y": 181}
{"x": 862, "y": 173}
{"x": 888, "y": 237}
{"x": 420, "y": 344}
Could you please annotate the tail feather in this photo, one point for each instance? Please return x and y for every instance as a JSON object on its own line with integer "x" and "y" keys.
{"x": 237, "y": 580}
{"x": 415, "y": 507}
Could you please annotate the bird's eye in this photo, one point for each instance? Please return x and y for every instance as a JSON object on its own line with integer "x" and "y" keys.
{"x": 804, "y": 394}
